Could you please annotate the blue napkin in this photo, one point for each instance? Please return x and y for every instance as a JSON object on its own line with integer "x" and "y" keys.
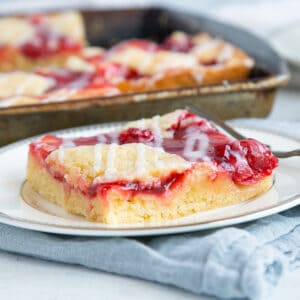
{"x": 244, "y": 261}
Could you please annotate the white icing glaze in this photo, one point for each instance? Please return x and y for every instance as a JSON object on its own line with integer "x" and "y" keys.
{"x": 175, "y": 60}
{"x": 140, "y": 169}
{"x": 196, "y": 144}
{"x": 156, "y": 131}
{"x": 76, "y": 63}
{"x": 146, "y": 62}
{"x": 101, "y": 139}
{"x": 140, "y": 160}
{"x": 114, "y": 137}
{"x": 67, "y": 143}
{"x": 225, "y": 54}
{"x": 60, "y": 155}
{"x": 127, "y": 57}
{"x": 151, "y": 63}
{"x": 97, "y": 157}
{"x": 158, "y": 163}
{"x": 206, "y": 46}
{"x": 110, "y": 169}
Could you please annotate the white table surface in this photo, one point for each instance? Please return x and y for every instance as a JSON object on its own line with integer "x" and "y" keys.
{"x": 27, "y": 278}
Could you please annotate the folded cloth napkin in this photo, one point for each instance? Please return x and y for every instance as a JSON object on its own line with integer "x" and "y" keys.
{"x": 244, "y": 261}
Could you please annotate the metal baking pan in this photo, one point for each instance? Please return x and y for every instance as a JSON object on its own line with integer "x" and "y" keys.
{"x": 251, "y": 98}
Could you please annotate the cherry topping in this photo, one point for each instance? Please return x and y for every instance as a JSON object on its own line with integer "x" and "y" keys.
{"x": 136, "y": 135}
{"x": 47, "y": 42}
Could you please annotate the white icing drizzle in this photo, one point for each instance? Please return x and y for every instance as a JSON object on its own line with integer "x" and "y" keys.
{"x": 140, "y": 159}
{"x": 126, "y": 57}
{"x": 146, "y": 62}
{"x": 59, "y": 96}
{"x": 206, "y": 46}
{"x": 176, "y": 60}
{"x": 61, "y": 154}
{"x": 67, "y": 143}
{"x": 196, "y": 145}
{"x": 3, "y": 77}
{"x": 156, "y": 131}
{"x": 158, "y": 163}
{"x": 97, "y": 157}
{"x": 114, "y": 137}
{"x": 110, "y": 169}
{"x": 225, "y": 53}
{"x": 101, "y": 139}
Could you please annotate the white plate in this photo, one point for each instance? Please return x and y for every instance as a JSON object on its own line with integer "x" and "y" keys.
{"x": 38, "y": 214}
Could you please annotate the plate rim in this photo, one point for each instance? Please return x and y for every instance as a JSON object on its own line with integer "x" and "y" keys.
{"x": 292, "y": 201}
{"x": 175, "y": 229}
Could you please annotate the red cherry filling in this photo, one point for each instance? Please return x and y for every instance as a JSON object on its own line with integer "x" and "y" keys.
{"x": 246, "y": 160}
{"x": 157, "y": 187}
{"x": 259, "y": 156}
{"x": 136, "y": 135}
{"x": 208, "y": 63}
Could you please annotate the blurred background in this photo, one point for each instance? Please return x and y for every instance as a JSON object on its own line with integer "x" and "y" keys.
{"x": 277, "y": 21}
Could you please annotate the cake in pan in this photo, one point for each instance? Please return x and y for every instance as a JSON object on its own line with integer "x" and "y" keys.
{"x": 40, "y": 40}
{"x": 46, "y": 58}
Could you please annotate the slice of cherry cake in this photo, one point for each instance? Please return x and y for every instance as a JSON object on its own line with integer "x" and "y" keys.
{"x": 36, "y": 40}
{"x": 150, "y": 170}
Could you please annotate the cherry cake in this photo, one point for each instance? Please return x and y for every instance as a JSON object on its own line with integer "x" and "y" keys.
{"x": 46, "y": 58}
{"x": 150, "y": 170}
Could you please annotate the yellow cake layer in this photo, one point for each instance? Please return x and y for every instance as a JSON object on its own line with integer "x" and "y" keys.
{"x": 197, "y": 192}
